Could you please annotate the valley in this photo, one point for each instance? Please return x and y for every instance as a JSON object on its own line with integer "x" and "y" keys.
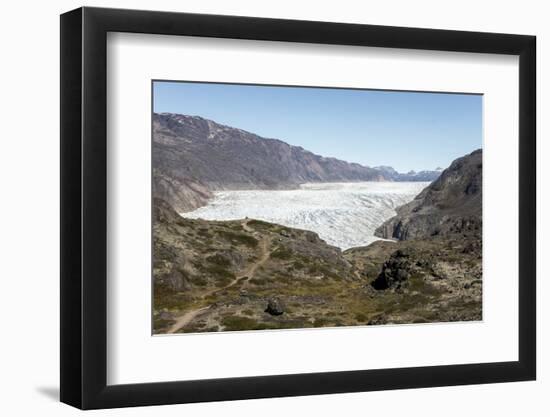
{"x": 251, "y": 233}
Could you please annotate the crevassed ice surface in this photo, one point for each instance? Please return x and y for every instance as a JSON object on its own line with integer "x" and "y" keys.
{"x": 343, "y": 214}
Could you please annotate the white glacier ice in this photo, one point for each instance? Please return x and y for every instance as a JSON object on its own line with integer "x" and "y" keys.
{"x": 343, "y": 214}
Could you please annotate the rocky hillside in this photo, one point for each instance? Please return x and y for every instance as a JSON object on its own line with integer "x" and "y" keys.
{"x": 193, "y": 156}
{"x": 184, "y": 192}
{"x": 248, "y": 274}
{"x": 449, "y": 205}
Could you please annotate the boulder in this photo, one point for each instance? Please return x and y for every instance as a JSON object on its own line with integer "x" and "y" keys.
{"x": 275, "y": 307}
{"x": 395, "y": 271}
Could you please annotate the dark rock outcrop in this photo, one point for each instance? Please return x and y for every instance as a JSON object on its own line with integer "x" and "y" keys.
{"x": 275, "y": 307}
{"x": 449, "y": 205}
{"x": 395, "y": 271}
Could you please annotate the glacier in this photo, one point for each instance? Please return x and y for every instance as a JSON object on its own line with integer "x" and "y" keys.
{"x": 343, "y": 214}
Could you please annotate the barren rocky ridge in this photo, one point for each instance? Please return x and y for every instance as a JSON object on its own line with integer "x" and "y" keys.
{"x": 452, "y": 203}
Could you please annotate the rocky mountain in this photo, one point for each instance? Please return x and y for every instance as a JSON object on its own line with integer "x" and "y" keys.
{"x": 193, "y": 156}
{"x": 451, "y": 204}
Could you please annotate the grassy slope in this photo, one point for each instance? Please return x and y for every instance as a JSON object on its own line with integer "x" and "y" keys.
{"x": 201, "y": 263}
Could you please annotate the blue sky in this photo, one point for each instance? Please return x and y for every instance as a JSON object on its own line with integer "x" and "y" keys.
{"x": 406, "y": 130}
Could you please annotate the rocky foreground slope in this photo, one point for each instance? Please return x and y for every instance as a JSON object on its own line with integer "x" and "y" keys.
{"x": 193, "y": 156}
{"x": 451, "y": 204}
{"x": 249, "y": 274}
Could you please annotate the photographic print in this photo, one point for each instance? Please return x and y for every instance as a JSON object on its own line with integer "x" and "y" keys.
{"x": 289, "y": 207}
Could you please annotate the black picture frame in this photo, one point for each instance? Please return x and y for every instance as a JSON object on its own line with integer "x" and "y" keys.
{"x": 84, "y": 207}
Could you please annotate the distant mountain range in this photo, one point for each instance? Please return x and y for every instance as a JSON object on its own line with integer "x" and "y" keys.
{"x": 193, "y": 156}
{"x": 391, "y": 174}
